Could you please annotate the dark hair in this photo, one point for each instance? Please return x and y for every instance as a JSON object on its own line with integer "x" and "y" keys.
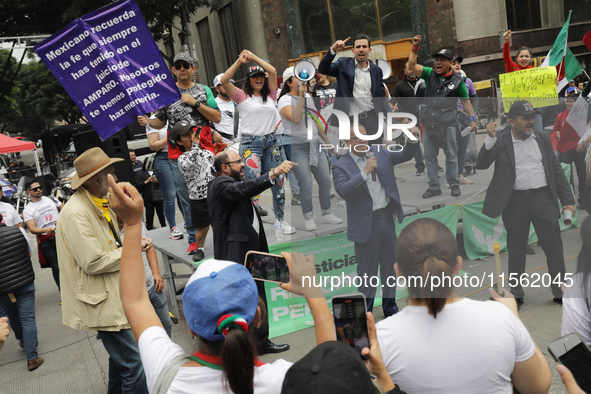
{"x": 286, "y": 88}
{"x": 221, "y": 158}
{"x": 237, "y": 352}
{"x": 584, "y": 262}
{"x": 34, "y": 180}
{"x": 129, "y": 150}
{"x": 1, "y": 218}
{"x": 524, "y": 49}
{"x": 427, "y": 248}
{"x": 429, "y": 63}
{"x": 247, "y": 87}
{"x": 573, "y": 95}
{"x": 362, "y": 36}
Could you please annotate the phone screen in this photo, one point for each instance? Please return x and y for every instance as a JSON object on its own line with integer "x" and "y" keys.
{"x": 578, "y": 360}
{"x": 350, "y": 321}
{"x": 268, "y": 267}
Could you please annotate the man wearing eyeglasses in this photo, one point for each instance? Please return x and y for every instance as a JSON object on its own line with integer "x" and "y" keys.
{"x": 41, "y": 216}
{"x": 197, "y": 107}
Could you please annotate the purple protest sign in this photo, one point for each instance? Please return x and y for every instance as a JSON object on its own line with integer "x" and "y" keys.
{"x": 110, "y": 65}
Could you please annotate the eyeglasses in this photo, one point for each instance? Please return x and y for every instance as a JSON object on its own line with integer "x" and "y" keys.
{"x": 34, "y": 189}
{"x": 233, "y": 162}
{"x": 184, "y": 65}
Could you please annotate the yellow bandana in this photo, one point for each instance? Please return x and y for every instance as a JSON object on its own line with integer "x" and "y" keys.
{"x": 103, "y": 204}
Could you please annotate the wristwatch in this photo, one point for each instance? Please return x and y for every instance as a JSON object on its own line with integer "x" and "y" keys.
{"x": 197, "y": 104}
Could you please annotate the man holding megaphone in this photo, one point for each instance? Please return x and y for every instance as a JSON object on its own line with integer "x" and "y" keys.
{"x": 357, "y": 78}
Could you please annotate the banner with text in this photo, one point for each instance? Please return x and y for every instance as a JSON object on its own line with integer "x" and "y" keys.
{"x": 109, "y": 64}
{"x": 536, "y": 85}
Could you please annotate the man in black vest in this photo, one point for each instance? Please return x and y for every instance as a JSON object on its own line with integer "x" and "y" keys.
{"x": 237, "y": 226}
{"x": 17, "y": 290}
{"x": 439, "y": 116}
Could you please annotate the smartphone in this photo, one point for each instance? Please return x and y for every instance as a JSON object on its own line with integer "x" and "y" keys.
{"x": 267, "y": 267}
{"x": 350, "y": 320}
{"x": 571, "y": 351}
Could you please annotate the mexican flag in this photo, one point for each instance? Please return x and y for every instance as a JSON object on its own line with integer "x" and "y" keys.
{"x": 567, "y": 66}
{"x": 575, "y": 124}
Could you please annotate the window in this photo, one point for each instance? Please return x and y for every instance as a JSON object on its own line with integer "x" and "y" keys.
{"x": 354, "y": 16}
{"x": 523, "y": 14}
{"x": 395, "y": 19}
{"x": 230, "y": 39}
{"x": 315, "y": 25}
{"x": 581, "y": 10}
{"x": 207, "y": 49}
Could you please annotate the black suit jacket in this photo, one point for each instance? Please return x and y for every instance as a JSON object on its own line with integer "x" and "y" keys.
{"x": 501, "y": 186}
{"x": 230, "y": 210}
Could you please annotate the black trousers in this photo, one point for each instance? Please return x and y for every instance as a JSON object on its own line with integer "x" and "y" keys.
{"x": 150, "y": 207}
{"x": 578, "y": 158}
{"x": 539, "y": 209}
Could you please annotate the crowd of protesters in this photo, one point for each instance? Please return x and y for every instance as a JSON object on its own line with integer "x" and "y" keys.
{"x": 107, "y": 271}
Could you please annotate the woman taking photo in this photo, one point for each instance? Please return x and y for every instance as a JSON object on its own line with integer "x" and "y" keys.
{"x": 259, "y": 148}
{"x": 305, "y": 152}
{"x": 421, "y": 344}
{"x": 220, "y": 304}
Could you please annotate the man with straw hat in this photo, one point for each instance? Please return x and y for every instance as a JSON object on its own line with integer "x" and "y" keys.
{"x": 89, "y": 254}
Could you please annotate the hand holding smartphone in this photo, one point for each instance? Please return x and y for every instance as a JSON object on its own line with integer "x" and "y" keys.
{"x": 267, "y": 267}
{"x": 350, "y": 320}
{"x": 571, "y": 351}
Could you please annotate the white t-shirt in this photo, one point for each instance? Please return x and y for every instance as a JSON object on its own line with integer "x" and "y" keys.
{"x": 162, "y": 133}
{"x": 9, "y": 215}
{"x": 157, "y": 351}
{"x": 44, "y": 212}
{"x": 294, "y": 129}
{"x": 256, "y": 117}
{"x": 576, "y": 317}
{"x": 471, "y": 347}
{"x": 226, "y": 125}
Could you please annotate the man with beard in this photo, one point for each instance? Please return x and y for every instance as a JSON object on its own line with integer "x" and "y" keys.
{"x": 527, "y": 183}
{"x": 237, "y": 226}
{"x": 228, "y": 126}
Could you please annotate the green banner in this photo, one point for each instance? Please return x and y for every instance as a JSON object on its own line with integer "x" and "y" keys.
{"x": 334, "y": 257}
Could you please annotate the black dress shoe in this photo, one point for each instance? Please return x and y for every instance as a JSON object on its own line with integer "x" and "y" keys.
{"x": 529, "y": 250}
{"x": 432, "y": 193}
{"x": 519, "y": 302}
{"x": 455, "y": 191}
{"x": 557, "y": 300}
{"x": 270, "y": 347}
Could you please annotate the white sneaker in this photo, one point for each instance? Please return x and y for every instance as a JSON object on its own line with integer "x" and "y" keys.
{"x": 287, "y": 229}
{"x": 446, "y": 185}
{"x": 330, "y": 218}
{"x": 309, "y": 224}
{"x": 465, "y": 181}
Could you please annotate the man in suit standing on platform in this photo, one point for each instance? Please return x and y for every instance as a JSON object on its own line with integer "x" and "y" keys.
{"x": 365, "y": 178}
{"x": 236, "y": 224}
{"x": 527, "y": 183}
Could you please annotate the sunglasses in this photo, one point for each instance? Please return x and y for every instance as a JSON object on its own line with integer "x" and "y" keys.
{"x": 233, "y": 162}
{"x": 34, "y": 189}
{"x": 184, "y": 65}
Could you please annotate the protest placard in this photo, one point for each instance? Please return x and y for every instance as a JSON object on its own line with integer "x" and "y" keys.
{"x": 536, "y": 85}
{"x": 109, "y": 64}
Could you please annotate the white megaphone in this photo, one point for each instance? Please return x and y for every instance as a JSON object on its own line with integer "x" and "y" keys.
{"x": 386, "y": 68}
{"x": 305, "y": 70}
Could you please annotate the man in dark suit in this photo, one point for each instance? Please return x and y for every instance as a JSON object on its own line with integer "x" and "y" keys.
{"x": 527, "y": 183}
{"x": 237, "y": 226}
{"x": 368, "y": 184}
{"x": 357, "y": 78}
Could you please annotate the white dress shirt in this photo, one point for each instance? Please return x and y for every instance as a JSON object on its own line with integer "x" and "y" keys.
{"x": 379, "y": 197}
{"x": 529, "y": 165}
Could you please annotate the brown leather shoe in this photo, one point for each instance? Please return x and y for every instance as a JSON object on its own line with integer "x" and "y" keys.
{"x": 35, "y": 363}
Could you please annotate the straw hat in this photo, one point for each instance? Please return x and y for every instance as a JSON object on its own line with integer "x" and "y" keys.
{"x": 89, "y": 164}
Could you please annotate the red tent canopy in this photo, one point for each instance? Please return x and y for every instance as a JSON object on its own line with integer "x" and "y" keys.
{"x": 11, "y": 145}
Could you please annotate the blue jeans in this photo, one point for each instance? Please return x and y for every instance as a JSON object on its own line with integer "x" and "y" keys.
{"x": 158, "y": 301}
{"x": 285, "y": 143}
{"x": 303, "y": 172}
{"x": 462, "y": 151}
{"x": 165, "y": 179}
{"x": 419, "y": 163}
{"x": 261, "y": 154}
{"x": 445, "y": 138}
{"x": 182, "y": 194}
{"x": 126, "y": 372}
{"x": 50, "y": 253}
{"x": 21, "y": 316}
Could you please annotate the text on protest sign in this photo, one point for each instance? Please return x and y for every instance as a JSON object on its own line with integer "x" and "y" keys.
{"x": 536, "y": 85}
{"x": 109, "y": 64}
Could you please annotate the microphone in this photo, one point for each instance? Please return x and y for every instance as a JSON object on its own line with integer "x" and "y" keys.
{"x": 373, "y": 173}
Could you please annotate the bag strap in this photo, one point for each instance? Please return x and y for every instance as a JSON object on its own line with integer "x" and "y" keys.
{"x": 168, "y": 374}
{"x": 236, "y": 120}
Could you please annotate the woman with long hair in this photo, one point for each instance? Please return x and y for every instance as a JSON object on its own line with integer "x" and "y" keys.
{"x": 292, "y": 100}
{"x": 259, "y": 148}
{"x": 576, "y": 302}
{"x": 444, "y": 343}
{"x": 221, "y": 307}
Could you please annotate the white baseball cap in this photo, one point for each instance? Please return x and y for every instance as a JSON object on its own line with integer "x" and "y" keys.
{"x": 289, "y": 72}
{"x": 217, "y": 79}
